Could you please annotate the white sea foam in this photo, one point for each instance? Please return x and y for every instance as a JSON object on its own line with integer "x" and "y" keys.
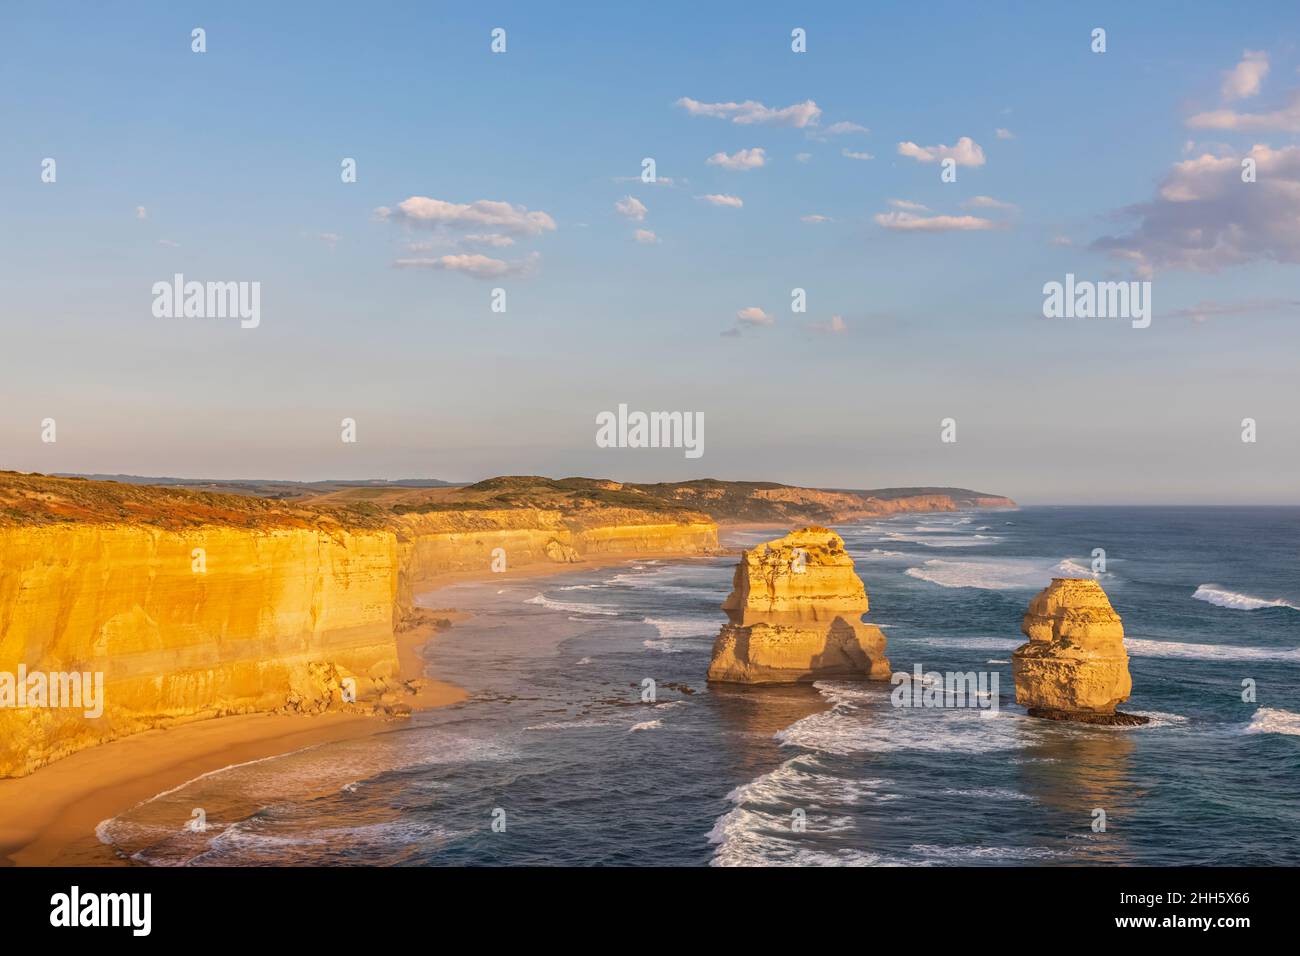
{"x": 943, "y": 540}
{"x": 1141, "y": 647}
{"x": 1004, "y": 574}
{"x": 989, "y": 793}
{"x": 572, "y": 607}
{"x": 686, "y": 627}
{"x": 849, "y": 728}
{"x": 1274, "y": 720}
{"x": 646, "y": 725}
{"x": 746, "y": 837}
{"x": 663, "y": 647}
{"x": 1222, "y": 597}
{"x": 961, "y": 854}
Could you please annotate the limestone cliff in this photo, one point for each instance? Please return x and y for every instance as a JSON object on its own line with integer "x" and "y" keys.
{"x": 190, "y": 605}
{"x": 1074, "y": 666}
{"x": 795, "y": 613}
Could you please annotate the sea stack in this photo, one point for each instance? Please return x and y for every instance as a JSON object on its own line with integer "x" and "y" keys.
{"x": 795, "y": 612}
{"x": 1074, "y": 666}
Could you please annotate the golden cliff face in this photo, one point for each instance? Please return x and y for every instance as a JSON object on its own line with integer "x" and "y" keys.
{"x": 186, "y": 625}
{"x": 795, "y": 612}
{"x": 187, "y": 605}
{"x": 1074, "y": 666}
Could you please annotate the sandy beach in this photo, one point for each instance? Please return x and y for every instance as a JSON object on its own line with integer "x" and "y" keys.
{"x": 49, "y": 817}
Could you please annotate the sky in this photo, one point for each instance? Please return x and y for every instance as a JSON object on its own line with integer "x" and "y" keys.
{"x": 776, "y": 170}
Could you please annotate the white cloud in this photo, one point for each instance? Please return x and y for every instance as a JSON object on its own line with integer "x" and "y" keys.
{"x": 988, "y": 202}
{"x": 752, "y": 112}
{"x": 803, "y": 157}
{"x": 722, "y": 199}
{"x": 500, "y": 216}
{"x": 476, "y": 265}
{"x": 494, "y": 239}
{"x": 646, "y": 237}
{"x": 1204, "y": 217}
{"x": 1245, "y": 79}
{"x": 330, "y": 238}
{"x": 1003, "y": 133}
{"x": 169, "y": 244}
{"x": 908, "y": 204}
{"x": 1286, "y": 120}
{"x": 815, "y": 217}
{"x": 739, "y": 160}
{"x": 908, "y": 222}
{"x": 753, "y": 315}
{"x": 852, "y": 155}
{"x": 837, "y": 129}
{"x": 967, "y": 152}
{"x": 632, "y": 208}
{"x": 141, "y": 212}
{"x": 1062, "y": 241}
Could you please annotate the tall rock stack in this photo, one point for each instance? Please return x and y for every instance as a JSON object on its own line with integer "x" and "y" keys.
{"x": 795, "y": 613}
{"x": 1074, "y": 666}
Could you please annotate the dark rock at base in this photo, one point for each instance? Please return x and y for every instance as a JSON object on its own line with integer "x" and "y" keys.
{"x": 1116, "y": 719}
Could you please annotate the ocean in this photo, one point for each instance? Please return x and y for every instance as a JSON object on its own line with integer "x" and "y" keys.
{"x": 556, "y": 758}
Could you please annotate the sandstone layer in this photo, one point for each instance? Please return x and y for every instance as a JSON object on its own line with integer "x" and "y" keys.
{"x": 189, "y": 605}
{"x": 795, "y": 614}
{"x": 1074, "y": 666}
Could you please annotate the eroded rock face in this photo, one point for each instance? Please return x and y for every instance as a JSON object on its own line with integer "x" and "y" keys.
{"x": 1074, "y": 666}
{"x": 795, "y": 613}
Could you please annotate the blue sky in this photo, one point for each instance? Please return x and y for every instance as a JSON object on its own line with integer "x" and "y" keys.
{"x": 233, "y": 156}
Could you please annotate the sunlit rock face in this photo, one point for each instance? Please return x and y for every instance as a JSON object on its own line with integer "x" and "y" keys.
{"x": 795, "y": 613}
{"x": 1074, "y": 666}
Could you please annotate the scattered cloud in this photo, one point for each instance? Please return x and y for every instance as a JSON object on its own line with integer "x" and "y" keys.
{"x": 1208, "y": 309}
{"x": 494, "y": 239}
{"x": 815, "y": 217}
{"x": 475, "y": 265}
{"x": 803, "y": 157}
{"x": 632, "y": 208}
{"x": 169, "y": 244}
{"x": 499, "y": 216}
{"x": 967, "y": 152}
{"x": 751, "y": 317}
{"x": 1245, "y": 79}
{"x": 908, "y": 204}
{"x": 838, "y": 129}
{"x": 908, "y": 222}
{"x": 646, "y": 237}
{"x": 1204, "y": 217}
{"x": 1062, "y": 241}
{"x": 1003, "y": 133}
{"x": 852, "y": 155}
{"x": 330, "y": 239}
{"x": 141, "y": 212}
{"x": 1286, "y": 119}
{"x": 751, "y": 112}
{"x": 722, "y": 199}
{"x": 988, "y": 202}
{"x": 740, "y": 160}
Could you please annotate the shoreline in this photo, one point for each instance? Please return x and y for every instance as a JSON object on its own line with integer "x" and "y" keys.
{"x": 52, "y": 813}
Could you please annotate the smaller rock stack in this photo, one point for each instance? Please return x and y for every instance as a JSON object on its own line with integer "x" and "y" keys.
{"x": 795, "y": 612}
{"x": 1074, "y": 666}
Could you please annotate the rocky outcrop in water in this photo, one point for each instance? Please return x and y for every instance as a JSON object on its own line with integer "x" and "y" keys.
{"x": 1074, "y": 666}
{"x": 795, "y": 613}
